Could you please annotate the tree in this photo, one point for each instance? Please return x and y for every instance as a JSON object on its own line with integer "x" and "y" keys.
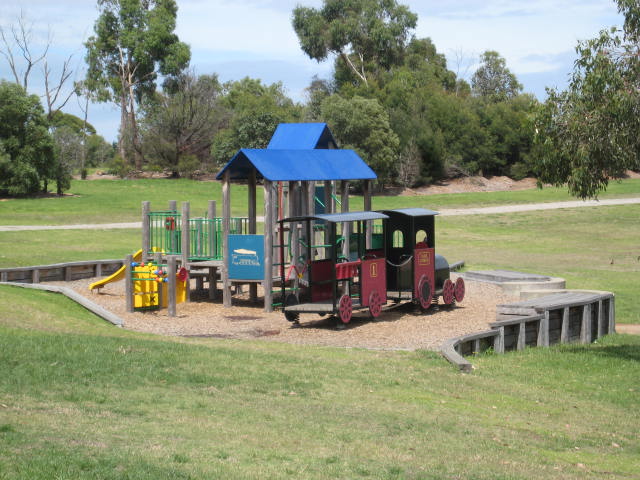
{"x": 134, "y": 42}
{"x": 16, "y": 48}
{"x": 256, "y": 110}
{"x": 183, "y": 121}
{"x": 27, "y": 159}
{"x": 493, "y": 80}
{"x": 362, "y": 124}
{"x": 366, "y": 35}
{"x": 587, "y": 134}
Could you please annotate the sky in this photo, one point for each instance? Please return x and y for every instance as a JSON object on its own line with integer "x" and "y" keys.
{"x": 238, "y": 38}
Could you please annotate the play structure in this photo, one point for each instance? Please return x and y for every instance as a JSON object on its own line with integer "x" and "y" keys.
{"x": 302, "y": 173}
{"x": 149, "y": 285}
{"x": 345, "y": 272}
{"x": 305, "y": 240}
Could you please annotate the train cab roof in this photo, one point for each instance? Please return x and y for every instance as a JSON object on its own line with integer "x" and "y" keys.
{"x": 411, "y": 212}
{"x": 339, "y": 217}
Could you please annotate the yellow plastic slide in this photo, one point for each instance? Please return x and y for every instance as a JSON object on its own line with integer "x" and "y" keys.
{"x": 117, "y": 276}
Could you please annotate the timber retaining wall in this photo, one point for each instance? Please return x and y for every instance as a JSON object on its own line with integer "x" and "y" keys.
{"x": 567, "y": 317}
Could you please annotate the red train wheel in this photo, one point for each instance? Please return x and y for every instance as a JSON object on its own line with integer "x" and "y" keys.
{"x": 375, "y": 304}
{"x": 459, "y": 289}
{"x": 425, "y": 292}
{"x": 345, "y": 308}
{"x": 448, "y": 292}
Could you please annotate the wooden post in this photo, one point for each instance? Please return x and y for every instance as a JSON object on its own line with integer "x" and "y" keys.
{"x": 146, "y": 232}
{"x": 157, "y": 258}
{"x": 498, "y": 341}
{"x": 268, "y": 245}
{"x": 311, "y": 198}
{"x": 211, "y": 209}
{"x": 35, "y": 276}
{"x": 601, "y": 317}
{"x": 173, "y": 206}
{"x": 226, "y": 219}
{"x": 212, "y": 282}
{"x": 128, "y": 283}
{"x": 171, "y": 301}
{"x": 253, "y": 287}
{"x": 346, "y": 232}
{"x": 612, "y": 315}
{"x": 585, "y": 334}
{"x": 98, "y": 270}
{"x": 367, "y": 207}
{"x": 522, "y": 332}
{"x": 543, "y": 330}
{"x": 186, "y": 243}
{"x": 328, "y": 199}
{"x": 564, "y": 329}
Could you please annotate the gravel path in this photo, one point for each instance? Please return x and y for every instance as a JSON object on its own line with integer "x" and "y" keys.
{"x": 444, "y": 212}
{"x": 401, "y": 328}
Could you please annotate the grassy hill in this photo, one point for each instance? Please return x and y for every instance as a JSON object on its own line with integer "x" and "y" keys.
{"x": 80, "y": 399}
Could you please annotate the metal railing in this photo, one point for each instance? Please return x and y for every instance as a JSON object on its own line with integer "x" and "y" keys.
{"x": 205, "y": 234}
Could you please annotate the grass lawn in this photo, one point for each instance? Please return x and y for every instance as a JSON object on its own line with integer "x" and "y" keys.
{"x": 19, "y": 249}
{"x": 592, "y": 248}
{"x": 108, "y": 201}
{"x": 80, "y": 399}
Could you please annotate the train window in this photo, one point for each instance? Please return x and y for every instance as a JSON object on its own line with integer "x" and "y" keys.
{"x": 398, "y": 239}
{"x": 421, "y": 236}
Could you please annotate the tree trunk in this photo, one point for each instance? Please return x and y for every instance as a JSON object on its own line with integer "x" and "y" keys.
{"x": 123, "y": 128}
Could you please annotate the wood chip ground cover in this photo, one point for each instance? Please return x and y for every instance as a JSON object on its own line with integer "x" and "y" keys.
{"x": 403, "y": 327}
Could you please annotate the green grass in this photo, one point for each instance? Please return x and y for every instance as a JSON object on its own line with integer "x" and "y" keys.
{"x": 595, "y": 249}
{"x": 80, "y": 399}
{"x": 20, "y": 249}
{"x": 108, "y": 201}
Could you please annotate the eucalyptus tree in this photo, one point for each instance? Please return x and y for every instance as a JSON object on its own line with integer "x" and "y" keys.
{"x": 365, "y": 35}
{"x": 588, "y": 133}
{"x": 493, "y": 80}
{"x": 133, "y": 44}
{"x": 182, "y": 121}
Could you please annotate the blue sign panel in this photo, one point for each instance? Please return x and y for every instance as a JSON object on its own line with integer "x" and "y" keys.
{"x": 246, "y": 257}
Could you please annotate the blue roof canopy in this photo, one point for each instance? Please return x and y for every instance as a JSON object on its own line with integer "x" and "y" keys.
{"x": 298, "y": 165}
{"x": 302, "y": 136}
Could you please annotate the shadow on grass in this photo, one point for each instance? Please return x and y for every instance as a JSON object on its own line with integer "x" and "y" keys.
{"x": 628, "y": 352}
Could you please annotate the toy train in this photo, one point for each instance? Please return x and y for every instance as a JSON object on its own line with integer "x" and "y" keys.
{"x": 343, "y": 266}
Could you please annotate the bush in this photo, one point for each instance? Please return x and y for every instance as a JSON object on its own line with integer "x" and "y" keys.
{"x": 519, "y": 170}
{"x": 117, "y": 166}
{"x": 187, "y": 165}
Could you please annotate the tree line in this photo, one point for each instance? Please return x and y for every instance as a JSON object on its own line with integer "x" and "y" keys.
{"x": 391, "y": 97}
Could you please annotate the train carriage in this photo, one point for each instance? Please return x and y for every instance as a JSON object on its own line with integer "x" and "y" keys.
{"x": 336, "y": 274}
{"x": 340, "y": 270}
{"x": 414, "y": 271}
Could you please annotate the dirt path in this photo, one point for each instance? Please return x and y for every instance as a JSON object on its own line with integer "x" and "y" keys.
{"x": 528, "y": 207}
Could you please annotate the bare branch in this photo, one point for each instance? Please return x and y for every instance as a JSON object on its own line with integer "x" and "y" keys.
{"x": 21, "y": 34}
{"x": 350, "y": 64}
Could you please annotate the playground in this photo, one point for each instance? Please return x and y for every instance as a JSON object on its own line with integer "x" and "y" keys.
{"x": 402, "y": 328}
